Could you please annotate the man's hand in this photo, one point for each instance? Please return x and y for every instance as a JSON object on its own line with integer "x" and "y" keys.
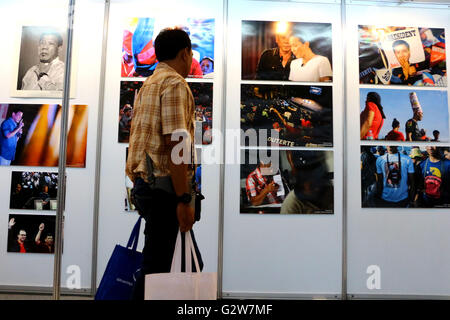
{"x": 41, "y": 227}
{"x": 404, "y": 63}
{"x": 271, "y": 187}
{"x": 12, "y": 222}
{"x": 185, "y": 215}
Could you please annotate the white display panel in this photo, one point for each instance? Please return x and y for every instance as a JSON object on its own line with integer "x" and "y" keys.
{"x": 36, "y": 270}
{"x": 115, "y": 223}
{"x": 410, "y": 246}
{"x": 278, "y": 255}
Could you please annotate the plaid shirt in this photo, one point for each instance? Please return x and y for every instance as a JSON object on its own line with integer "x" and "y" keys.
{"x": 163, "y": 105}
{"x": 255, "y": 183}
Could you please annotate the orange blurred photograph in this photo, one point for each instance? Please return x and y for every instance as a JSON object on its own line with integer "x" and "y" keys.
{"x": 30, "y": 135}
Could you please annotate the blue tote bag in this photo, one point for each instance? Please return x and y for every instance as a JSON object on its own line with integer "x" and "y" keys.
{"x": 122, "y": 270}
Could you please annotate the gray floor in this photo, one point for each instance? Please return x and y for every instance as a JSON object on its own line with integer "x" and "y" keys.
{"x": 15, "y": 296}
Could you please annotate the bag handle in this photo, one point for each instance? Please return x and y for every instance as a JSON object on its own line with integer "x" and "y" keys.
{"x": 134, "y": 237}
{"x": 189, "y": 252}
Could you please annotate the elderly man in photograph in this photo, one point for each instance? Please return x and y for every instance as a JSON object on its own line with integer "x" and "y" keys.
{"x": 162, "y": 189}
{"x": 48, "y": 74}
{"x": 10, "y": 132}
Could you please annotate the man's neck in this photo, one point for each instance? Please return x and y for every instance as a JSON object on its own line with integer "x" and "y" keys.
{"x": 175, "y": 65}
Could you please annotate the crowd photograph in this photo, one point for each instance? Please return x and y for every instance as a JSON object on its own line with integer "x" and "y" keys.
{"x": 405, "y": 177}
{"x": 33, "y": 190}
{"x": 300, "y": 115}
{"x": 203, "y": 99}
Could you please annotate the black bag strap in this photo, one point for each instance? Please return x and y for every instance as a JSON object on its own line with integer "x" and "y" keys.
{"x": 134, "y": 237}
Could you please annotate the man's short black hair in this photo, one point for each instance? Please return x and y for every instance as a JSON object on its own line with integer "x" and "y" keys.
{"x": 55, "y": 34}
{"x": 435, "y": 132}
{"x": 169, "y": 42}
{"x": 399, "y": 42}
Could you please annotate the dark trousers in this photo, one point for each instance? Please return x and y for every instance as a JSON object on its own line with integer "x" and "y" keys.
{"x": 161, "y": 229}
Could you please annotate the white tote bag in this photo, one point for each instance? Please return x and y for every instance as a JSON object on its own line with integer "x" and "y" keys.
{"x": 178, "y": 285}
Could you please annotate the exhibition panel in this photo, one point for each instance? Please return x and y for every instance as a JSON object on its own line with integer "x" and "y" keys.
{"x": 283, "y": 150}
{"x": 397, "y": 228}
{"x": 32, "y": 91}
{"x": 130, "y": 58}
{"x": 278, "y": 86}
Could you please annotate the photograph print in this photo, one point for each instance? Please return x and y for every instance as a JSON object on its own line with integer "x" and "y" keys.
{"x": 294, "y": 51}
{"x": 33, "y": 190}
{"x": 402, "y": 56}
{"x": 404, "y": 115}
{"x": 405, "y": 177}
{"x": 138, "y": 52}
{"x": 296, "y": 115}
{"x": 29, "y": 135}
{"x": 287, "y": 182}
{"x": 41, "y": 62}
{"x": 31, "y": 233}
{"x": 203, "y": 99}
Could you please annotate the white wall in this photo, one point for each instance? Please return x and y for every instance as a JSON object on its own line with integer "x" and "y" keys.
{"x": 37, "y": 269}
{"x": 409, "y": 245}
{"x": 281, "y": 255}
{"x": 115, "y": 224}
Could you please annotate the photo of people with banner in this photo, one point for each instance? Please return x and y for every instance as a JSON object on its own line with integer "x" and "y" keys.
{"x": 405, "y": 177}
{"x": 31, "y": 233}
{"x": 29, "y": 135}
{"x": 287, "y": 182}
{"x": 203, "y": 98}
{"x": 33, "y": 190}
{"x": 279, "y": 50}
{"x": 300, "y": 115}
{"x": 138, "y": 52}
{"x": 404, "y": 115}
{"x": 402, "y": 56}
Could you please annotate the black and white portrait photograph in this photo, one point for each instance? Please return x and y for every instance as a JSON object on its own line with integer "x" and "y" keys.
{"x": 41, "y": 62}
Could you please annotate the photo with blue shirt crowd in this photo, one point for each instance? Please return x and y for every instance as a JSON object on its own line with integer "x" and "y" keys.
{"x": 405, "y": 177}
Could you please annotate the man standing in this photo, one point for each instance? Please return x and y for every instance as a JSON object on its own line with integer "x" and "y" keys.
{"x": 11, "y": 131}
{"x": 274, "y": 64}
{"x": 395, "y": 179}
{"x": 435, "y": 176}
{"x": 164, "y": 110}
{"x": 411, "y": 127}
{"x": 19, "y": 244}
{"x": 48, "y": 74}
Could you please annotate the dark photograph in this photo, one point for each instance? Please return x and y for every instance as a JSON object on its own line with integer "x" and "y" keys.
{"x": 405, "y": 177}
{"x": 300, "y": 115}
{"x": 294, "y": 51}
{"x": 203, "y": 97}
{"x": 33, "y": 190}
{"x": 287, "y": 182}
{"x": 31, "y": 233}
